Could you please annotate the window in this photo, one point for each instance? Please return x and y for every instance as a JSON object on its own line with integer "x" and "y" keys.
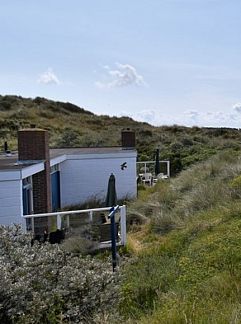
{"x": 27, "y": 199}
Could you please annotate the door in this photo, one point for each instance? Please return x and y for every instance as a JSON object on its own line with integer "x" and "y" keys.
{"x": 55, "y": 183}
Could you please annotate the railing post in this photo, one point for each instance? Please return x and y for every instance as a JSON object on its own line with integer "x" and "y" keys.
{"x": 24, "y": 226}
{"x": 123, "y": 224}
{"x": 91, "y": 216}
{"x": 59, "y": 222}
{"x": 32, "y": 224}
{"x": 113, "y": 210}
{"x": 168, "y": 169}
{"x": 67, "y": 221}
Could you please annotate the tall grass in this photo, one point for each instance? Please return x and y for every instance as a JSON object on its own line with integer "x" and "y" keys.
{"x": 190, "y": 273}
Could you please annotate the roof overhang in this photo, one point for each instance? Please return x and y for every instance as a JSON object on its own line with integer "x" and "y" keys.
{"x": 22, "y": 173}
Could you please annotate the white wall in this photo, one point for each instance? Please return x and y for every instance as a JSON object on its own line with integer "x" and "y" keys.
{"x": 10, "y": 202}
{"x": 81, "y": 178}
{"x": 11, "y": 195}
{"x": 84, "y": 177}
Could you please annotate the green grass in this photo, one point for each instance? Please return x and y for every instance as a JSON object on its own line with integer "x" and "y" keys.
{"x": 189, "y": 271}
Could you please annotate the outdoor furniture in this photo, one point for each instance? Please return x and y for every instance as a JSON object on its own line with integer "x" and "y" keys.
{"x": 147, "y": 178}
{"x": 160, "y": 176}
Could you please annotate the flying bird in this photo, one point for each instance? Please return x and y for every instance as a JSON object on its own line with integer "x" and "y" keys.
{"x": 123, "y": 165}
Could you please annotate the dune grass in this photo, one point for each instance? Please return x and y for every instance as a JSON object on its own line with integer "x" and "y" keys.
{"x": 72, "y": 126}
{"x": 186, "y": 267}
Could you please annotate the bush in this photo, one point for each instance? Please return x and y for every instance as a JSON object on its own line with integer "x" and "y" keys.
{"x": 45, "y": 284}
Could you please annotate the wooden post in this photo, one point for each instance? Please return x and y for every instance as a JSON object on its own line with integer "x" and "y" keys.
{"x": 59, "y": 222}
{"x": 67, "y": 221}
{"x": 123, "y": 224}
{"x": 32, "y": 223}
{"x": 168, "y": 169}
{"x": 91, "y": 216}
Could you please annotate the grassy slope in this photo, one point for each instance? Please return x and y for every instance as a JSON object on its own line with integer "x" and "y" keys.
{"x": 70, "y": 125}
{"x": 191, "y": 273}
{"x": 186, "y": 266}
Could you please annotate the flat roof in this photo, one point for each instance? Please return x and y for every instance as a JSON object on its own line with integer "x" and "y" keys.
{"x": 88, "y": 150}
{"x": 10, "y": 161}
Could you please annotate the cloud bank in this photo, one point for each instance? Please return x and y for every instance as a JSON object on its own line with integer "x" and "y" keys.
{"x": 190, "y": 117}
{"x": 124, "y": 75}
{"x": 48, "y": 77}
{"x": 237, "y": 107}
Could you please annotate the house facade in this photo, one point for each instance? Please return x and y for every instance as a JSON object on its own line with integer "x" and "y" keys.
{"x": 37, "y": 179}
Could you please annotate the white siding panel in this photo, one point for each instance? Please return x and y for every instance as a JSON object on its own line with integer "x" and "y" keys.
{"x": 10, "y": 202}
{"x": 9, "y": 175}
{"x": 83, "y": 179}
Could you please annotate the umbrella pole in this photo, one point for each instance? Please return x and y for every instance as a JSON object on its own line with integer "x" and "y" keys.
{"x": 113, "y": 236}
{"x": 113, "y": 243}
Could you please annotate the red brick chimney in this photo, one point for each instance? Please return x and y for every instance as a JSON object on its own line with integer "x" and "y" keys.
{"x": 33, "y": 145}
{"x": 128, "y": 138}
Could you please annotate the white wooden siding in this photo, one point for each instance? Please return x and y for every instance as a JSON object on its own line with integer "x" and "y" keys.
{"x": 83, "y": 178}
{"x": 10, "y": 202}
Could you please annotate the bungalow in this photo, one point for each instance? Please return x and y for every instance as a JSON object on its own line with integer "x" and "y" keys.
{"x": 37, "y": 179}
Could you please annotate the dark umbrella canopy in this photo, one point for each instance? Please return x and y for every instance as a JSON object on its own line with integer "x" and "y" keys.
{"x": 157, "y": 164}
{"x": 111, "y": 197}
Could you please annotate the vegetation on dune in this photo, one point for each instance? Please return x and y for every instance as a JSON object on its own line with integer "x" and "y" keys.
{"x": 184, "y": 233}
{"x": 186, "y": 268}
{"x": 69, "y": 126}
{"x": 183, "y": 265}
{"x": 45, "y": 284}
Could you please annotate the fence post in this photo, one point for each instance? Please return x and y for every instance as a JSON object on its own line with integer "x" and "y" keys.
{"x": 123, "y": 224}
{"x": 168, "y": 169}
{"x": 91, "y": 216}
{"x": 32, "y": 224}
{"x": 59, "y": 221}
{"x": 67, "y": 221}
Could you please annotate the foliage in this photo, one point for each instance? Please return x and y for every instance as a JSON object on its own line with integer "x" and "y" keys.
{"x": 72, "y": 126}
{"x": 187, "y": 265}
{"x": 45, "y": 284}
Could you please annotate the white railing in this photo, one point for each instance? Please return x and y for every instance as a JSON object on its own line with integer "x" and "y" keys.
{"x": 146, "y": 165}
{"x": 59, "y": 218}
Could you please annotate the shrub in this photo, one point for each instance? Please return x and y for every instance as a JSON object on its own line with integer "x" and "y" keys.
{"x": 45, "y": 284}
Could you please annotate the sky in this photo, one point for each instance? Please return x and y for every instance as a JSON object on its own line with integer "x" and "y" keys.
{"x": 160, "y": 61}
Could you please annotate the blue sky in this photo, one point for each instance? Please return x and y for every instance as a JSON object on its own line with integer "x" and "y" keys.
{"x": 160, "y": 61}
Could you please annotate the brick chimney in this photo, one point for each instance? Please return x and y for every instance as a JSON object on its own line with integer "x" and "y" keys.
{"x": 33, "y": 145}
{"x": 128, "y": 138}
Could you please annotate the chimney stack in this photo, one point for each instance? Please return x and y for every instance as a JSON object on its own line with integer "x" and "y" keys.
{"x": 128, "y": 138}
{"x": 33, "y": 145}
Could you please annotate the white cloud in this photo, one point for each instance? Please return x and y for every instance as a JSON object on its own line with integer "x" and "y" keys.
{"x": 150, "y": 116}
{"x": 237, "y": 107}
{"x": 153, "y": 117}
{"x": 48, "y": 77}
{"x": 192, "y": 115}
{"x": 123, "y": 75}
{"x": 189, "y": 118}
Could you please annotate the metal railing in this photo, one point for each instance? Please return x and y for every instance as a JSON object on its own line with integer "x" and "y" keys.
{"x": 64, "y": 217}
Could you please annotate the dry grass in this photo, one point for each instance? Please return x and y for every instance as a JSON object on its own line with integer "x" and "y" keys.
{"x": 191, "y": 272}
